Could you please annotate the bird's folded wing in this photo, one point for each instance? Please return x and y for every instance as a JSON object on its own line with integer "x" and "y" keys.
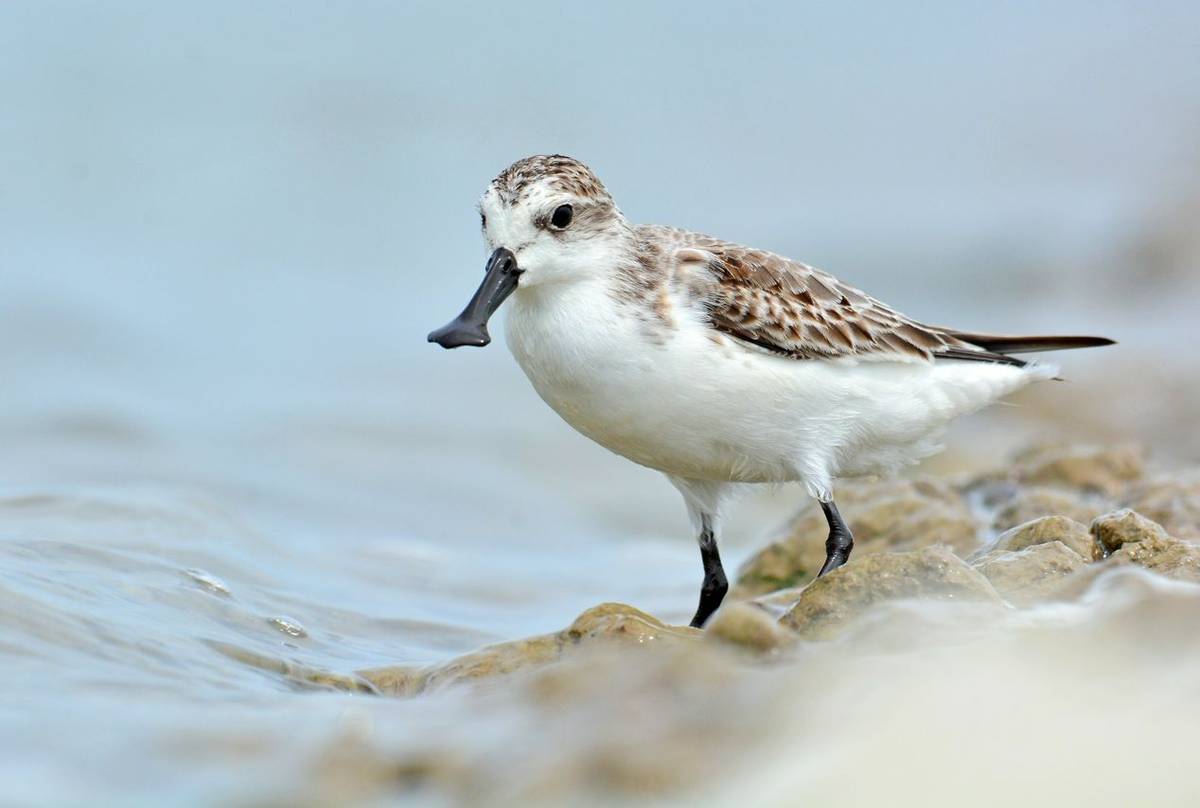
{"x": 793, "y": 309}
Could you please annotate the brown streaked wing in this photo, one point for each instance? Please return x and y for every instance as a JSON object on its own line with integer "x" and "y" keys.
{"x": 791, "y": 308}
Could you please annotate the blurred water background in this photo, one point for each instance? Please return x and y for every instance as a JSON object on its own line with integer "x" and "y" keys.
{"x": 225, "y": 230}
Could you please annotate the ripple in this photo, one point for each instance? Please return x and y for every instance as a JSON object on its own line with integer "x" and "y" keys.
{"x": 209, "y": 582}
{"x": 288, "y": 626}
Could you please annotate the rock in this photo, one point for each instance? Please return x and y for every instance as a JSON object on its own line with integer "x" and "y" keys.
{"x": 828, "y": 603}
{"x": 1116, "y": 529}
{"x": 608, "y": 622}
{"x": 991, "y": 489}
{"x": 295, "y": 673}
{"x": 1131, "y": 538}
{"x": 1173, "y": 502}
{"x": 624, "y": 623}
{"x": 493, "y": 660}
{"x": 748, "y": 626}
{"x": 1107, "y": 470}
{"x": 638, "y": 729}
{"x": 396, "y": 680}
{"x": 780, "y": 601}
{"x": 1027, "y": 503}
{"x": 1171, "y": 558}
{"x": 1031, "y": 574}
{"x": 890, "y": 515}
{"x": 1045, "y": 530}
{"x": 1162, "y": 554}
{"x": 781, "y": 565}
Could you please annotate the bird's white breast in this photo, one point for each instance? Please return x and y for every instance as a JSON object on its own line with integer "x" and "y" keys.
{"x": 617, "y": 374}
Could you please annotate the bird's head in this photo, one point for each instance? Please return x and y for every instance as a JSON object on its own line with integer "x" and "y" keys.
{"x": 546, "y": 219}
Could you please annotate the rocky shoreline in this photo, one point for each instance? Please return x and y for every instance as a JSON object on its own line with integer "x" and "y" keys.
{"x": 1017, "y": 598}
{"x": 1041, "y": 530}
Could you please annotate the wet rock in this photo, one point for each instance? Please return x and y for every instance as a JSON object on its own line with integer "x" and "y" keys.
{"x": 1167, "y": 556}
{"x": 640, "y": 729}
{"x": 1132, "y": 539}
{"x": 295, "y": 673}
{"x": 748, "y": 626}
{"x": 1031, "y": 574}
{"x": 777, "y": 603}
{"x": 494, "y": 660}
{"x": 624, "y": 623}
{"x": 1173, "y": 502}
{"x": 781, "y": 565}
{"x": 1115, "y": 530}
{"x": 991, "y": 488}
{"x": 1107, "y": 470}
{"x": 1045, "y": 530}
{"x": 1027, "y": 503}
{"x": 890, "y": 515}
{"x": 606, "y": 623}
{"x": 828, "y": 603}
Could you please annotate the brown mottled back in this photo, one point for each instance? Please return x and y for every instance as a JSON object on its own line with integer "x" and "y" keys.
{"x": 791, "y": 308}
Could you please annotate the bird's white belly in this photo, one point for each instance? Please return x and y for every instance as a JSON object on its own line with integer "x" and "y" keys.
{"x": 627, "y": 384}
{"x": 674, "y": 397}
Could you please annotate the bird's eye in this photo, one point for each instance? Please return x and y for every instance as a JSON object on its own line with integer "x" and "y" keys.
{"x": 562, "y": 216}
{"x": 482, "y": 219}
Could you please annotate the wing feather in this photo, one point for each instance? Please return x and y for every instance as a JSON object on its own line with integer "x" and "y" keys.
{"x": 793, "y": 309}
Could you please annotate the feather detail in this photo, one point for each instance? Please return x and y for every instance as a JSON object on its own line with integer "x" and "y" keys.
{"x": 790, "y": 308}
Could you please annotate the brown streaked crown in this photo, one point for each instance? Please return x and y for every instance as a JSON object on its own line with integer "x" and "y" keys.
{"x": 564, "y": 173}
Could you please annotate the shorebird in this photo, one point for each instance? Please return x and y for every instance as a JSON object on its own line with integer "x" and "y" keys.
{"x": 718, "y": 364}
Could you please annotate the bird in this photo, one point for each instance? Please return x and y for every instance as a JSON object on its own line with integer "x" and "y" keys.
{"x": 717, "y": 364}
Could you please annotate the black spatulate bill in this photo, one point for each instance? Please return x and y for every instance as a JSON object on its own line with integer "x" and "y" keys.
{"x": 470, "y": 327}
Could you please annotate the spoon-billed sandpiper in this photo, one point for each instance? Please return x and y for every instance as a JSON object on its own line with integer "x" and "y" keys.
{"x": 714, "y": 363}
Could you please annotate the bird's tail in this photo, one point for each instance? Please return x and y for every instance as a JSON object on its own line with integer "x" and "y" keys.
{"x": 1005, "y": 344}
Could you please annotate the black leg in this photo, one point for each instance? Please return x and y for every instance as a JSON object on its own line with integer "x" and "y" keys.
{"x": 712, "y": 592}
{"x": 840, "y": 541}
